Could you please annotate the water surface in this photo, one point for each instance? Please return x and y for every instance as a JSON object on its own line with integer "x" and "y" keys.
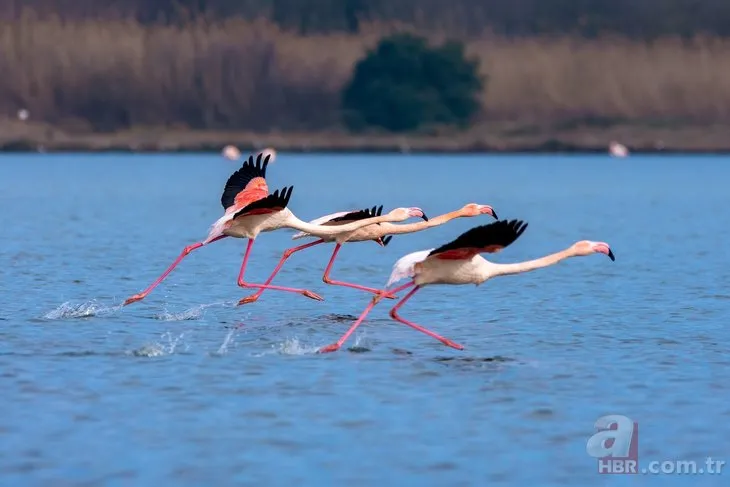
{"x": 185, "y": 388}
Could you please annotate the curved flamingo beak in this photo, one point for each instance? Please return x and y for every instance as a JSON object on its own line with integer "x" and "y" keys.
{"x": 603, "y": 248}
{"x": 417, "y": 213}
{"x": 488, "y": 210}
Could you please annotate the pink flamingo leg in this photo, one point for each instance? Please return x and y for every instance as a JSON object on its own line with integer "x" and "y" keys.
{"x": 337, "y": 345}
{"x": 183, "y": 254}
{"x": 394, "y": 315}
{"x": 326, "y": 278}
{"x": 242, "y": 283}
{"x": 287, "y": 253}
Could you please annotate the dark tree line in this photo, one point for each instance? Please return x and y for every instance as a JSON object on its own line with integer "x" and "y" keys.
{"x": 641, "y": 19}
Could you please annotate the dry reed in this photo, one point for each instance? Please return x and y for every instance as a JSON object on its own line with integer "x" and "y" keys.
{"x": 237, "y": 74}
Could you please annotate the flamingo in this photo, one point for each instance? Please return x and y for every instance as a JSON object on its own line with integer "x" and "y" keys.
{"x": 231, "y": 153}
{"x": 251, "y": 210}
{"x": 381, "y": 233}
{"x": 459, "y": 262}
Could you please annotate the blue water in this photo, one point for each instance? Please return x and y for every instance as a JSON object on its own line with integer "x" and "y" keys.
{"x": 187, "y": 389}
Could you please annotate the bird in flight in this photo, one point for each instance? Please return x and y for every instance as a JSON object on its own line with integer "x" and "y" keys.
{"x": 460, "y": 262}
{"x": 251, "y": 209}
{"x": 381, "y": 233}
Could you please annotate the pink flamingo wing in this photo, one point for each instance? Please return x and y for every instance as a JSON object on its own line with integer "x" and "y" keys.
{"x": 255, "y": 190}
{"x": 276, "y": 201}
{"x": 246, "y": 197}
{"x": 251, "y": 175}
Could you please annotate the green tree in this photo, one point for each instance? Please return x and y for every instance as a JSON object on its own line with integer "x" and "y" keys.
{"x": 404, "y": 84}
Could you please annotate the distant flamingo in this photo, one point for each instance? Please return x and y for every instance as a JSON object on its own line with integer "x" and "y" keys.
{"x": 381, "y": 233}
{"x": 617, "y": 149}
{"x": 459, "y": 262}
{"x": 231, "y": 153}
{"x": 250, "y": 210}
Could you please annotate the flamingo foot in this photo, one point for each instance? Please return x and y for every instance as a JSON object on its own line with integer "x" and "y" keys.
{"x": 304, "y": 292}
{"x": 248, "y": 299}
{"x": 134, "y": 299}
{"x": 381, "y": 295}
{"x": 451, "y": 344}
{"x": 329, "y": 348}
{"x": 312, "y": 295}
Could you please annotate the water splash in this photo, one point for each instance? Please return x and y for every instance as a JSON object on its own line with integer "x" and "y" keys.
{"x": 193, "y": 313}
{"x": 223, "y": 349}
{"x": 359, "y": 338}
{"x": 293, "y": 346}
{"x": 360, "y": 344}
{"x": 81, "y": 310}
{"x": 168, "y": 345}
{"x": 189, "y": 314}
{"x": 290, "y": 346}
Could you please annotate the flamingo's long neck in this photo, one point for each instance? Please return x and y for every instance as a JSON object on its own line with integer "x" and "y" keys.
{"x": 519, "y": 267}
{"x": 332, "y": 230}
{"x": 391, "y": 229}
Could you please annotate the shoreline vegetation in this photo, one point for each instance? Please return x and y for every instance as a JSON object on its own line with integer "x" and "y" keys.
{"x": 120, "y": 85}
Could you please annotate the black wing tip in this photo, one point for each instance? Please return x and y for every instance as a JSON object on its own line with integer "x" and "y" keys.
{"x": 518, "y": 226}
{"x": 282, "y": 195}
{"x": 288, "y": 195}
{"x": 385, "y": 240}
{"x": 258, "y": 167}
{"x": 262, "y": 166}
{"x": 360, "y": 214}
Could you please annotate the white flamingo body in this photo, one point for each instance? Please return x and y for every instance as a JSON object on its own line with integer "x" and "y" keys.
{"x": 432, "y": 270}
{"x": 248, "y": 226}
{"x": 370, "y": 232}
{"x": 251, "y": 226}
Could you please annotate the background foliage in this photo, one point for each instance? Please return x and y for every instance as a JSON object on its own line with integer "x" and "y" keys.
{"x": 284, "y": 65}
{"x": 637, "y": 19}
{"x": 404, "y": 84}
